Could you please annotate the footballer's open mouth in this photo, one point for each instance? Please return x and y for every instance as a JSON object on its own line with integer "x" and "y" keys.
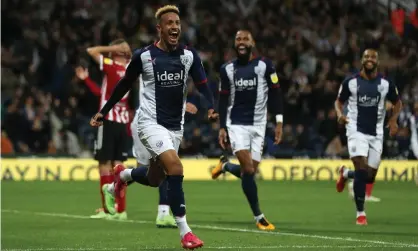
{"x": 173, "y": 36}
{"x": 370, "y": 64}
{"x": 242, "y": 49}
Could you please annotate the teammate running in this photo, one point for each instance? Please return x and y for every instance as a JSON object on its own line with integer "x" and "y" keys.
{"x": 366, "y": 94}
{"x": 247, "y": 83}
{"x": 165, "y": 67}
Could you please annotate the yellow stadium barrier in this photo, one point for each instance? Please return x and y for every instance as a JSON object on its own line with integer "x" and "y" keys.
{"x": 81, "y": 169}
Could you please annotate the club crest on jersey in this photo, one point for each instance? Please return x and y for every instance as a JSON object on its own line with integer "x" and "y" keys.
{"x": 185, "y": 60}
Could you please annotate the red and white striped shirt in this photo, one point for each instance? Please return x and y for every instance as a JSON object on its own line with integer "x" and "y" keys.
{"x": 113, "y": 73}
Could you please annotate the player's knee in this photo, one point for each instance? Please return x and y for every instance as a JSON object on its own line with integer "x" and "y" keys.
{"x": 105, "y": 166}
{"x": 370, "y": 180}
{"x": 176, "y": 168}
{"x": 359, "y": 163}
{"x": 245, "y": 161}
{"x": 154, "y": 182}
{"x": 116, "y": 162}
{"x": 247, "y": 169}
{"x": 156, "y": 179}
{"x": 172, "y": 164}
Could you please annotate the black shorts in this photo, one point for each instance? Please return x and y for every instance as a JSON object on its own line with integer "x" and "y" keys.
{"x": 112, "y": 142}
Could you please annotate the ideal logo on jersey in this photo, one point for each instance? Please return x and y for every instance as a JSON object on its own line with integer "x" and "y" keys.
{"x": 367, "y": 101}
{"x": 246, "y": 84}
{"x": 169, "y": 79}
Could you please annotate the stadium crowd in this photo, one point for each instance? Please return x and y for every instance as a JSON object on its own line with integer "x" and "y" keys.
{"x": 314, "y": 44}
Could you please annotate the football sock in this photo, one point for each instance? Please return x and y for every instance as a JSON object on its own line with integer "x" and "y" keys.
{"x": 250, "y": 190}
{"x": 177, "y": 202}
{"x": 139, "y": 175}
{"x": 120, "y": 204}
{"x": 369, "y": 189}
{"x": 111, "y": 188}
{"x": 126, "y": 175}
{"x": 233, "y": 168}
{"x": 362, "y": 213}
{"x": 163, "y": 210}
{"x": 176, "y": 195}
{"x": 182, "y": 225}
{"x": 348, "y": 174}
{"x": 163, "y": 207}
{"x": 359, "y": 186}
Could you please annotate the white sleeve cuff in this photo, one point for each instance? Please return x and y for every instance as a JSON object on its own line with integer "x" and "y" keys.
{"x": 101, "y": 62}
{"x": 279, "y": 118}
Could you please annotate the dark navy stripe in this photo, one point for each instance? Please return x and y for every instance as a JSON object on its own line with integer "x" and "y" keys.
{"x": 246, "y": 82}
{"x": 169, "y": 74}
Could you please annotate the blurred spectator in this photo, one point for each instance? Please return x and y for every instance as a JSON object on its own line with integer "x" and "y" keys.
{"x": 314, "y": 44}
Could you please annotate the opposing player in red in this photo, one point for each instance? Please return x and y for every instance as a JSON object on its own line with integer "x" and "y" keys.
{"x": 111, "y": 145}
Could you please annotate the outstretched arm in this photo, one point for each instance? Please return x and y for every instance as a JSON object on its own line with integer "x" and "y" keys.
{"x": 83, "y": 74}
{"x": 96, "y": 52}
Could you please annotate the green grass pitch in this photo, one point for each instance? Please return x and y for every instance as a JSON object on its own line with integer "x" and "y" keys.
{"x": 308, "y": 216}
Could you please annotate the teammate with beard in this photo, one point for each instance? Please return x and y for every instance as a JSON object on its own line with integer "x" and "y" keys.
{"x": 366, "y": 94}
{"x": 165, "y": 66}
{"x": 248, "y": 84}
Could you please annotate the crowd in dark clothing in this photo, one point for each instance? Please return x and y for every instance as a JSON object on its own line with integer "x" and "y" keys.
{"x": 314, "y": 45}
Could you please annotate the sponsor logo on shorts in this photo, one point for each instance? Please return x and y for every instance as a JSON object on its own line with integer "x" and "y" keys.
{"x": 159, "y": 144}
{"x": 353, "y": 149}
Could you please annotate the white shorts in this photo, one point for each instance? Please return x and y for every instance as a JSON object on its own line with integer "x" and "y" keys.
{"x": 157, "y": 139}
{"x": 247, "y": 137}
{"x": 371, "y": 147}
{"x": 138, "y": 149}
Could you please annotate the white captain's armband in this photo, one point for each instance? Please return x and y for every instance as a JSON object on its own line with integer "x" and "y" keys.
{"x": 274, "y": 78}
{"x": 279, "y": 118}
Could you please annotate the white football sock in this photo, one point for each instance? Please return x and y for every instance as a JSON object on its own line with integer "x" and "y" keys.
{"x": 345, "y": 173}
{"x": 125, "y": 175}
{"x": 163, "y": 210}
{"x": 223, "y": 166}
{"x": 259, "y": 217}
{"x": 111, "y": 188}
{"x": 362, "y": 213}
{"x": 182, "y": 225}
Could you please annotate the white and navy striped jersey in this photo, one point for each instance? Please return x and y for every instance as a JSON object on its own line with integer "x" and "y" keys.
{"x": 248, "y": 87}
{"x": 163, "y": 89}
{"x": 366, "y": 103}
